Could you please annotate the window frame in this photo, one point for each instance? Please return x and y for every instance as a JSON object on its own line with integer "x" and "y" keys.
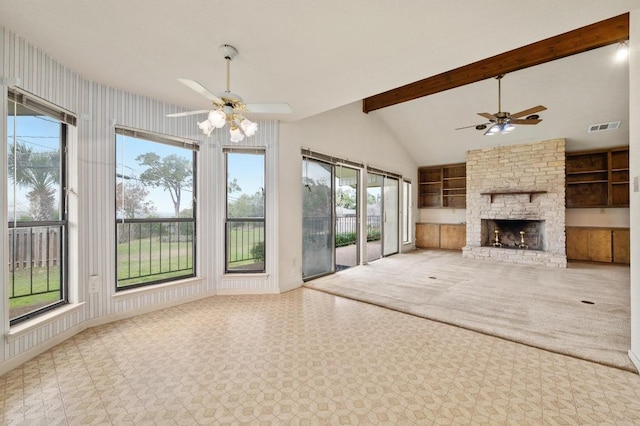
{"x": 407, "y": 214}
{"x": 177, "y": 143}
{"x": 64, "y": 119}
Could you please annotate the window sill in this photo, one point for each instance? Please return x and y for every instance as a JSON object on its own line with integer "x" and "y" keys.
{"x": 23, "y": 328}
{"x": 125, "y": 294}
{"x": 241, "y": 275}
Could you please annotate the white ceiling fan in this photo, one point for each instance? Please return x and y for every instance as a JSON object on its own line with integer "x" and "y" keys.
{"x": 503, "y": 122}
{"x": 229, "y": 106}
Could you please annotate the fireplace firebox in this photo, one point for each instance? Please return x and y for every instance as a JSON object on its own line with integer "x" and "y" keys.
{"x": 513, "y": 234}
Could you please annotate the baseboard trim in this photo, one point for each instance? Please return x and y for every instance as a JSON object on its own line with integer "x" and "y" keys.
{"x": 634, "y": 359}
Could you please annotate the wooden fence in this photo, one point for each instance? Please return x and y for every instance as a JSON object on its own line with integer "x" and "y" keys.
{"x": 34, "y": 247}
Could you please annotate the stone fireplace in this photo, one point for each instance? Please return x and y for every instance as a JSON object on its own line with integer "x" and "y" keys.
{"x": 518, "y": 191}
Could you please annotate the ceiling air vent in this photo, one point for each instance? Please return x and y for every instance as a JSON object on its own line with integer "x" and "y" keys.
{"x": 603, "y": 126}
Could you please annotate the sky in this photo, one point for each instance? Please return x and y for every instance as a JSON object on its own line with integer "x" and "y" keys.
{"x": 41, "y": 134}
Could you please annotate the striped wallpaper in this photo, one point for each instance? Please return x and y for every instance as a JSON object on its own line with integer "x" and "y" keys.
{"x": 91, "y": 176}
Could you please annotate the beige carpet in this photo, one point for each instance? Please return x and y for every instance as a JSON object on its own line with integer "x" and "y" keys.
{"x": 535, "y": 305}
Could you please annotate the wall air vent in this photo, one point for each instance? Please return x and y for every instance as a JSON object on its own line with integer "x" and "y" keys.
{"x": 603, "y": 126}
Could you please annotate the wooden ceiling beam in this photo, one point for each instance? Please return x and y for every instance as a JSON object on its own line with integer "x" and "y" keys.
{"x": 603, "y": 33}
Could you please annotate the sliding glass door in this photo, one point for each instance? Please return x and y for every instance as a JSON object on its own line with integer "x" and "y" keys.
{"x": 382, "y": 215}
{"x": 391, "y": 190}
{"x": 374, "y": 216}
{"x": 347, "y": 217}
{"x": 317, "y": 219}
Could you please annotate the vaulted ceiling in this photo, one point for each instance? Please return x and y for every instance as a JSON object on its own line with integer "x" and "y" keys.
{"x": 318, "y": 56}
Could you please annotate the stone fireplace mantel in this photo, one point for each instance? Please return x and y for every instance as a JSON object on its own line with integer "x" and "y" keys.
{"x": 514, "y": 192}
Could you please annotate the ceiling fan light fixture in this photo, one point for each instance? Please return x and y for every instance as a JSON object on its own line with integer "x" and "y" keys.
{"x": 206, "y": 127}
{"x": 217, "y": 118}
{"x": 248, "y": 127}
{"x": 492, "y": 130}
{"x": 236, "y": 134}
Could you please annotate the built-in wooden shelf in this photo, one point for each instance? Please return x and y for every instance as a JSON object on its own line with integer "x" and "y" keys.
{"x": 598, "y": 178}
{"x": 442, "y": 186}
{"x": 529, "y": 193}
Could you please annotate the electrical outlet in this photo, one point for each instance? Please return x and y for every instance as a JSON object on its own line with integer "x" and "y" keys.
{"x": 94, "y": 284}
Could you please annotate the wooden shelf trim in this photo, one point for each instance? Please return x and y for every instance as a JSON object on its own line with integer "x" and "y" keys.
{"x": 586, "y": 181}
{"x": 587, "y": 172}
{"x": 529, "y": 193}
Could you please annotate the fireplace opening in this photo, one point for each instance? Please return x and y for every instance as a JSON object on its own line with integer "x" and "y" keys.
{"x": 513, "y": 234}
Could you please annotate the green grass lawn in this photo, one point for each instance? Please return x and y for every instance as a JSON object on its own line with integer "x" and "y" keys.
{"x": 139, "y": 261}
{"x": 24, "y": 283}
{"x": 150, "y": 259}
{"x": 245, "y": 247}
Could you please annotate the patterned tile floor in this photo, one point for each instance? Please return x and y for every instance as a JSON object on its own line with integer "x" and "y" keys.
{"x": 306, "y": 357}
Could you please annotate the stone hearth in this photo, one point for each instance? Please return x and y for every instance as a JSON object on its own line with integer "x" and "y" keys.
{"x": 523, "y": 185}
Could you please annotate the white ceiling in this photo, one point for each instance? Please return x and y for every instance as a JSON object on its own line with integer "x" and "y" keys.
{"x": 319, "y": 56}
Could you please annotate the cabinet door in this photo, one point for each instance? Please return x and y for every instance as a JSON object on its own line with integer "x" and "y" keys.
{"x": 427, "y": 235}
{"x": 453, "y": 237}
{"x": 577, "y": 244}
{"x": 621, "y": 249}
{"x": 599, "y": 247}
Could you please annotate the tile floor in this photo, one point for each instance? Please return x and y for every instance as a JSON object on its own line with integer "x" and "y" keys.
{"x": 306, "y": 357}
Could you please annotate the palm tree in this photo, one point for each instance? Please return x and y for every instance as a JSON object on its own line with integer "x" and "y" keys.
{"x": 39, "y": 171}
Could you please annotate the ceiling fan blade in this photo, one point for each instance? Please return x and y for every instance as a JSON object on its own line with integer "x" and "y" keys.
{"x": 526, "y": 121}
{"x": 187, "y": 113}
{"x": 199, "y": 88}
{"x": 473, "y": 125}
{"x": 529, "y": 111}
{"x": 270, "y": 108}
{"x": 488, "y": 116}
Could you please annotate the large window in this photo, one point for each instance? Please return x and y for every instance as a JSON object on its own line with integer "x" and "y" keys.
{"x": 245, "y": 248}
{"x": 36, "y": 140}
{"x": 155, "y": 208}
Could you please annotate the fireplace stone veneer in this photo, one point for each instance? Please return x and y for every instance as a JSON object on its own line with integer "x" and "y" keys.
{"x": 517, "y": 183}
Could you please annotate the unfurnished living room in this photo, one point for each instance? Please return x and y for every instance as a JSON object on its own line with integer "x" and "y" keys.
{"x": 356, "y": 212}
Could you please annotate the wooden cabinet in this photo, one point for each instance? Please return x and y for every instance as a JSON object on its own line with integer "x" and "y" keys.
{"x": 598, "y": 244}
{"x": 621, "y": 246}
{"x": 453, "y": 237}
{"x": 443, "y": 236}
{"x": 598, "y": 178}
{"x": 427, "y": 235}
{"x": 443, "y": 186}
